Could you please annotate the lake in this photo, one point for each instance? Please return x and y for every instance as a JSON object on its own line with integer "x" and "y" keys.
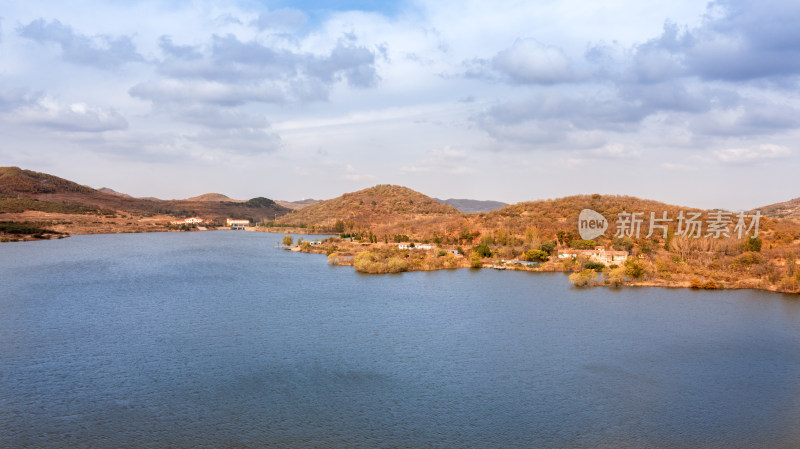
{"x": 221, "y": 339}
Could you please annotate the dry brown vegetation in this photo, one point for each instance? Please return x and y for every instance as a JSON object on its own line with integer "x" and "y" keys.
{"x": 25, "y": 190}
{"x": 527, "y": 229}
{"x": 378, "y": 258}
{"x": 383, "y": 208}
{"x": 786, "y": 209}
{"x": 379, "y": 217}
{"x": 66, "y": 224}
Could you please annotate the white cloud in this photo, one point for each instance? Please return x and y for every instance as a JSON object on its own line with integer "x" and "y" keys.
{"x": 100, "y": 51}
{"x": 50, "y": 113}
{"x": 280, "y": 19}
{"x": 616, "y": 151}
{"x": 760, "y": 153}
{"x": 529, "y": 61}
{"x": 677, "y": 167}
{"x": 174, "y": 91}
{"x": 242, "y": 140}
{"x": 446, "y": 160}
{"x": 547, "y": 83}
{"x": 351, "y": 174}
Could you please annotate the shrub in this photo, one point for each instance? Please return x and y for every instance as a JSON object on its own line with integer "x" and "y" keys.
{"x": 288, "y": 240}
{"x": 583, "y": 244}
{"x": 623, "y": 244}
{"x": 752, "y": 244}
{"x": 791, "y": 265}
{"x": 20, "y": 228}
{"x": 372, "y": 262}
{"x": 536, "y": 255}
{"x": 450, "y": 261}
{"x": 616, "y": 276}
{"x": 475, "y": 260}
{"x": 582, "y": 278}
{"x": 748, "y": 258}
{"x": 396, "y": 265}
{"x": 548, "y": 246}
{"x": 483, "y": 250}
{"x": 592, "y": 265}
{"x": 634, "y": 268}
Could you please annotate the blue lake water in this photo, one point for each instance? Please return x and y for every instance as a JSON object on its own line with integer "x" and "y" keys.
{"x": 220, "y": 339}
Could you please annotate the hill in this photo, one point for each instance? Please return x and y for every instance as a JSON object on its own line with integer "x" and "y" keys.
{"x": 14, "y": 180}
{"x": 113, "y": 192}
{"x": 46, "y": 192}
{"x": 472, "y": 206}
{"x": 383, "y": 206}
{"x": 568, "y": 208}
{"x": 297, "y": 204}
{"x": 549, "y": 217}
{"x": 786, "y": 209}
{"x": 210, "y": 197}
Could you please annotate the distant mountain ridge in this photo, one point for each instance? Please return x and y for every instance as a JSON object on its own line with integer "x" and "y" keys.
{"x": 113, "y": 192}
{"x": 472, "y": 206}
{"x": 786, "y": 209}
{"x": 294, "y": 205}
{"x": 381, "y": 204}
{"x": 16, "y": 182}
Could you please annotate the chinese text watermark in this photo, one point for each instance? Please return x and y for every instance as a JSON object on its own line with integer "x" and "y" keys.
{"x": 714, "y": 224}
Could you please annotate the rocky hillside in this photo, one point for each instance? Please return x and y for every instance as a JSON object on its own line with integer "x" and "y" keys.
{"x": 786, "y": 209}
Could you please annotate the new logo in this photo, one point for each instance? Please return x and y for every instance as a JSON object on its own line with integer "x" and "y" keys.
{"x": 591, "y": 224}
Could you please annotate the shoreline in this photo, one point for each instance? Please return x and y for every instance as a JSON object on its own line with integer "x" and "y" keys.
{"x": 345, "y": 253}
{"x": 346, "y": 258}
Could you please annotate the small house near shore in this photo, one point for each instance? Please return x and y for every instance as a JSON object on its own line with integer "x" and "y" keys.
{"x": 187, "y": 221}
{"x": 422, "y": 246}
{"x": 598, "y": 254}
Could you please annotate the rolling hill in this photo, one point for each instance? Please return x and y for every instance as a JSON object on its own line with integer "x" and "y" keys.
{"x": 382, "y": 206}
{"x": 16, "y": 181}
{"x": 294, "y": 205}
{"x": 786, "y": 209}
{"x": 561, "y": 214}
{"x": 50, "y": 191}
{"x": 211, "y": 197}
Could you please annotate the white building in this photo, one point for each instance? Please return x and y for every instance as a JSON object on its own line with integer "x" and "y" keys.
{"x": 598, "y": 254}
{"x": 237, "y": 224}
{"x": 416, "y": 246}
{"x": 191, "y": 220}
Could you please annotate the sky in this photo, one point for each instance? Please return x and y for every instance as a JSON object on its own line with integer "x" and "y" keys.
{"x": 685, "y": 102}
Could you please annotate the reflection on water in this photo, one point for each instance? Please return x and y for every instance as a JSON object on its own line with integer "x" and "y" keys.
{"x": 218, "y": 339}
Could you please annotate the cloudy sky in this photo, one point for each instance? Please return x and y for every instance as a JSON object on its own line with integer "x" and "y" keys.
{"x": 686, "y": 102}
